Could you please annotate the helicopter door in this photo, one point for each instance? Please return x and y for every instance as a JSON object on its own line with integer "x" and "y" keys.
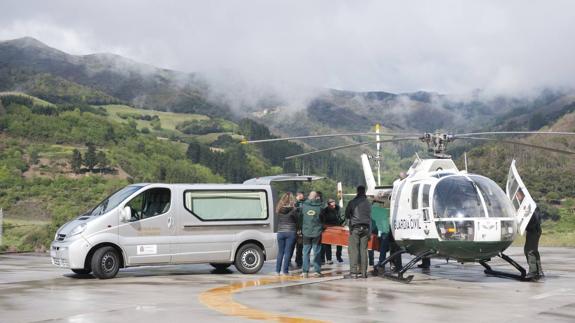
{"x": 425, "y": 203}
{"x": 523, "y": 203}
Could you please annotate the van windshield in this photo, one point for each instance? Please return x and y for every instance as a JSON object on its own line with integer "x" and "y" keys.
{"x": 114, "y": 200}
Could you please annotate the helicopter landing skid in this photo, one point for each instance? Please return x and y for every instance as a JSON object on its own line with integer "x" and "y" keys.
{"x": 398, "y": 275}
{"x": 502, "y": 274}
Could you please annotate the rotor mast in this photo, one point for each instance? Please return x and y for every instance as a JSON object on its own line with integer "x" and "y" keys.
{"x": 437, "y": 143}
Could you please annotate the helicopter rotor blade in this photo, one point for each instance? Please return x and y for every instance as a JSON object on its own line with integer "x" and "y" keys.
{"x": 328, "y": 136}
{"x": 514, "y": 133}
{"x": 522, "y": 144}
{"x": 352, "y": 145}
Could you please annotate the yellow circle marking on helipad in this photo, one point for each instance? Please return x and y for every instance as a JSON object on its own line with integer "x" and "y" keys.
{"x": 221, "y": 299}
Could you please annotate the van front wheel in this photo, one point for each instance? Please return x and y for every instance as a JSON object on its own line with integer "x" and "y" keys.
{"x": 249, "y": 259}
{"x": 105, "y": 263}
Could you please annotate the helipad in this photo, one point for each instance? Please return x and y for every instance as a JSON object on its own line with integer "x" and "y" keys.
{"x": 32, "y": 290}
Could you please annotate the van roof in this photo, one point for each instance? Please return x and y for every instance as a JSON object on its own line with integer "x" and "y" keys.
{"x": 203, "y": 186}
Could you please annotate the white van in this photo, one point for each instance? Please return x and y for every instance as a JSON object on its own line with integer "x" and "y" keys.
{"x": 158, "y": 224}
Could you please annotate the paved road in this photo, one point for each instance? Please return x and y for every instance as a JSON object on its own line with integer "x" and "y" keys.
{"x": 32, "y": 290}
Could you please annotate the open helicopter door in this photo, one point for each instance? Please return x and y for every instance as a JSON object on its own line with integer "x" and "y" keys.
{"x": 368, "y": 173}
{"x": 523, "y": 203}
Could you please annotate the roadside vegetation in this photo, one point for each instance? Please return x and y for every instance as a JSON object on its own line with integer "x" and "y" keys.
{"x": 59, "y": 160}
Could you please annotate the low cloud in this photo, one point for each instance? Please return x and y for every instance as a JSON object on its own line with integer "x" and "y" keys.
{"x": 254, "y": 48}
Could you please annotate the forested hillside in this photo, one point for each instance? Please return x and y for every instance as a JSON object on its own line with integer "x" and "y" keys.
{"x": 57, "y": 160}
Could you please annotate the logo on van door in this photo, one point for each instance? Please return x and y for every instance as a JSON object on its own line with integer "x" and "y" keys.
{"x": 150, "y": 249}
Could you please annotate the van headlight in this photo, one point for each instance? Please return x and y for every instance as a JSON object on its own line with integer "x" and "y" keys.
{"x": 78, "y": 229}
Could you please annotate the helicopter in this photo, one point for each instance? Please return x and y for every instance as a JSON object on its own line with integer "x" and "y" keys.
{"x": 439, "y": 211}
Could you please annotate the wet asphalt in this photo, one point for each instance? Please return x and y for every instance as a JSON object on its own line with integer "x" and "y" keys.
{"x": 32, "y": 290}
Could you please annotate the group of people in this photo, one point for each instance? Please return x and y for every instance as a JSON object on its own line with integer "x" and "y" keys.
{"x": 302, "y": 221}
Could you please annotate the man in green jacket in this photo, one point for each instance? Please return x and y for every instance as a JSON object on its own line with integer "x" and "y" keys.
{"x": 380, "y": 215}
{"x": 311, "y": 230}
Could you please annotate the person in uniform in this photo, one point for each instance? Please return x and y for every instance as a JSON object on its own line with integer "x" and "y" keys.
{"x": 531, "y": 248}
{"x": 311, "y": 230}
{"x": 380, "y": 215}
{"x": 358, "y": 214}
{"x": 300, "y": 198}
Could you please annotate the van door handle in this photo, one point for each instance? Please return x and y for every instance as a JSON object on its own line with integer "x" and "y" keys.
{"x": 170, "y": 222}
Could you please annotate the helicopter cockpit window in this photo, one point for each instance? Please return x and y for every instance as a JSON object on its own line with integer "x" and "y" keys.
{"x": 414, "y": 196}
{"x": 457, "y": 197}
{"x": 497, "y": 203}
{"x": 425, "y": 195}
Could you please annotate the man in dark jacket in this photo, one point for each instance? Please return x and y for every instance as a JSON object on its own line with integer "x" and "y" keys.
{"x": 531, "y": 249}
{"x": 311, "y": 230}
{"x": 329, "y": 216}
{"x": 358, "y": 214}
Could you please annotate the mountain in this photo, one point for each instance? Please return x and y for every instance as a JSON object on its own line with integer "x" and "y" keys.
{"x": 101, "y": 78}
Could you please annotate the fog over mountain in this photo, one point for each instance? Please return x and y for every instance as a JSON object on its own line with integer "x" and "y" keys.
{"x": 252, "y": 50}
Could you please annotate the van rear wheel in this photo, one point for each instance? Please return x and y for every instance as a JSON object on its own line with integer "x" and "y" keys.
{"x": 220, "y": 267}
{"x": 105, "y": 263}
{"x": 249, "y": 259}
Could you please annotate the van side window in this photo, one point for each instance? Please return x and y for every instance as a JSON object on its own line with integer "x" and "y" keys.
{"x": 155, "y": 201}
{"x": 414, "y": 196}
{"x": 425, "y": 197}
{"x": 227, "y": 205}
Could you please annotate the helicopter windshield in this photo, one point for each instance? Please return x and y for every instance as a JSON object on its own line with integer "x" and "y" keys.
{"x": 457, "y": 197}
{"x": 497, "y": 203}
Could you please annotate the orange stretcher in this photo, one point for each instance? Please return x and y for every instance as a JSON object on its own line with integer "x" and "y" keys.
{"x": 339, "y": 236}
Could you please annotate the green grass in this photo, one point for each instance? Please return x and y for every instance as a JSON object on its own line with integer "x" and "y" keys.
{"x": 24, "y": 235}
{"x": 36, "y": 100}
{"x": 169, "y": 120}
{"x": 211, "y": 137}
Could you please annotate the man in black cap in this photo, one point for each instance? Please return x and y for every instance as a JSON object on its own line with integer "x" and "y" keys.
{"x": 358, "y": 213}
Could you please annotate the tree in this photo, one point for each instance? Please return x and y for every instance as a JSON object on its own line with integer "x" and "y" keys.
{"x": 34, "y": 157}
{"x": 102, "y": 160}
{"x": 162, "y": 173}
{"x": 110, "y": 134}
{"x": 90, "y": 158}
{"x": 76, "y": 161}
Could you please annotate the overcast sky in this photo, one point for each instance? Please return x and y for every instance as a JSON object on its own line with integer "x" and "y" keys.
{"x": 445, "y": 46}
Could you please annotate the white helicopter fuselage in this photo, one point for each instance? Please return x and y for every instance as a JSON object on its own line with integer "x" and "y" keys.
{"x": 460, "y": 215}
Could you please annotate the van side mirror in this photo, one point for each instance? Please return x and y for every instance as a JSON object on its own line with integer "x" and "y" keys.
{"x": 126, "y": 214}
